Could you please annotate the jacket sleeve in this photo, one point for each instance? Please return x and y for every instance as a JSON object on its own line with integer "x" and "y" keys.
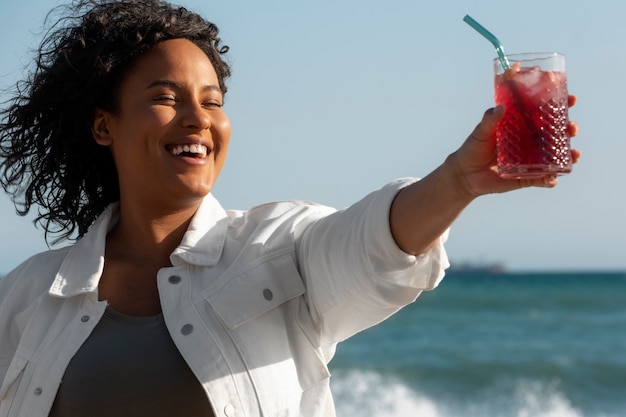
{"x": 356, "y": 275}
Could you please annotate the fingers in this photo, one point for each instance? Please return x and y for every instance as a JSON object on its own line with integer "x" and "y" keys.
{"x": 571, "y": 100}
{"x": 548, "y": 181}
{"x": 572, "y": 129}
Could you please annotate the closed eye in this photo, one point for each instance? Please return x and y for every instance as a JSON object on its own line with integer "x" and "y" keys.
{"x": 212, "y": 104}
{"x": 166, "y": 98}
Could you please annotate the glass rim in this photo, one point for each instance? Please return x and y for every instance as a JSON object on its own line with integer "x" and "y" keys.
{"x": 546, "y": 61}
{"x": 530, "y": 56}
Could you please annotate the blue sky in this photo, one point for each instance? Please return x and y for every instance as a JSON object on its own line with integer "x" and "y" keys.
{"x": 332, "y": 99}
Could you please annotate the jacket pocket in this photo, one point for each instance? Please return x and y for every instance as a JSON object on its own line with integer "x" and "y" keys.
{"x": 258, "y": 291}
{"x": 262, "y": 309}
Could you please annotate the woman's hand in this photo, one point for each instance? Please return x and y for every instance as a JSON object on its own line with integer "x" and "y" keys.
{"x": 476, "y": 159}
{"x": 421, "y": 212}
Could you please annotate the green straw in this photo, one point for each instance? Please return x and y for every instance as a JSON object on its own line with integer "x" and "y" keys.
{"x": 496, "y": 43}
{"x": 505, "y": 65}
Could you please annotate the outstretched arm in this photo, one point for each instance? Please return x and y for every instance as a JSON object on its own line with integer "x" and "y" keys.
{"x": 422, "y": 212}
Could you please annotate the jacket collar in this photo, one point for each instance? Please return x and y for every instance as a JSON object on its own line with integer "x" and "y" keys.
{"x": 82, "y": 267}
{"x": 203, "y": 242}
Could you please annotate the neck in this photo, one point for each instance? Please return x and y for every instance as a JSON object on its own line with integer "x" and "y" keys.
{"x": 148, "y": 235}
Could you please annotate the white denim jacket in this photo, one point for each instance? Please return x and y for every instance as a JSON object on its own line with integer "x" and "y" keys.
{"x": 255, "y": 301}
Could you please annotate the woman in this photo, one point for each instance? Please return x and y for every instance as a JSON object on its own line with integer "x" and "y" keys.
{"x": 166, "y": 304}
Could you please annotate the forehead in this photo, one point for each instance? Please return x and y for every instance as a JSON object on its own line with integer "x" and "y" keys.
{"x": 177, "y": 59}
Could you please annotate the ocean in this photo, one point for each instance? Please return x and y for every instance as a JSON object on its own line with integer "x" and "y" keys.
{"x": 493, "y": 345}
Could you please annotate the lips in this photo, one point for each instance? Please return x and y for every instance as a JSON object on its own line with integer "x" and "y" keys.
{"x": 193, "y": 150}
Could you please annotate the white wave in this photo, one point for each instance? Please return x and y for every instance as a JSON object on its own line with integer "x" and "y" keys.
{"x": 359, "y": 393}
{"x": 362, "y": 393}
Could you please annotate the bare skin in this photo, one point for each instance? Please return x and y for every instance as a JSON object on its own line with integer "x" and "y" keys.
{"x": 169, "y": 99}
{"x": 128, "y": 281}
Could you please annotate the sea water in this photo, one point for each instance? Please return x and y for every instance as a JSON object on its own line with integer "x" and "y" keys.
{"x": 493, "y": 345}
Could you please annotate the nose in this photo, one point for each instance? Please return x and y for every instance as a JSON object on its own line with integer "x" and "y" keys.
{"x": 196, "y": 117}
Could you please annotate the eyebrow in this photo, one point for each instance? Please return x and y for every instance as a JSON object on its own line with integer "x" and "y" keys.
{"x": 179, "y": 86}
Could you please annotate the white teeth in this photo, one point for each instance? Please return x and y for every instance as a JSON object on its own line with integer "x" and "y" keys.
{"x": 199, "y": 150}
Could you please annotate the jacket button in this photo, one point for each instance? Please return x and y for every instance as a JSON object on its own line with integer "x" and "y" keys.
{"x": 84, "y": 319}
{"x": 229, "y": 410}
{"x": 38, "y": 391}
{"x": 174, "y": 279}
{"x": 186, "y": 329}
{"x": 267, "y": 294}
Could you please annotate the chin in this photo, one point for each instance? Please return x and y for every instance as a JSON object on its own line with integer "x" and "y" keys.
{"x": 201, "y": 190}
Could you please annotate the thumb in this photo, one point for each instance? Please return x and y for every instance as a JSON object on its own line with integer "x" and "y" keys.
{"x": 485, "y": 129}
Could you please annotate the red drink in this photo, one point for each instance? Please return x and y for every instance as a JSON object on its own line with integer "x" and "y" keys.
{"x": 532, "y": 138}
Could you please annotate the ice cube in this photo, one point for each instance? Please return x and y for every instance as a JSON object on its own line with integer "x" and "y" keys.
{"x": 533, "y": 81}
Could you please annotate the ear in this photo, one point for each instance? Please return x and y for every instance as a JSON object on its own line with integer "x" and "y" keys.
{"x": 100, "y": 127}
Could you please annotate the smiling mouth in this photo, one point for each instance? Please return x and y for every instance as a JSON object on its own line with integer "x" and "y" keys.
{"x": 193, "y": 150}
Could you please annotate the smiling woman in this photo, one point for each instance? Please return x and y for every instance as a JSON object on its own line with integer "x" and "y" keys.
{"x": 167, "y": 106}
{"x": 79, "y": 69}
{"x": 167, "y": 304}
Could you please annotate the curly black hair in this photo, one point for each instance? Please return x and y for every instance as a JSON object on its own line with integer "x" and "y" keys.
{"x": 49, "y": 156}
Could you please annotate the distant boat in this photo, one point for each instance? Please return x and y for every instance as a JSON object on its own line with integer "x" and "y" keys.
{"x": 477, "y": 268}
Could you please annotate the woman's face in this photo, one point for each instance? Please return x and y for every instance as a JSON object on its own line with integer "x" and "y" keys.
{"x": 170, "y": 137}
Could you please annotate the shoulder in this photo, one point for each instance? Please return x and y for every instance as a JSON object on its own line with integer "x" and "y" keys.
{"x": 289, "y": 208}
{"x": 280, "y": 212}
{"x": 275, "y": 226}
{"x": 33, "y": 276}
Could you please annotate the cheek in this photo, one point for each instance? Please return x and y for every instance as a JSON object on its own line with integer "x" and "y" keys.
{"x": 158, "y": 117}
{"x": 221, "y": 130}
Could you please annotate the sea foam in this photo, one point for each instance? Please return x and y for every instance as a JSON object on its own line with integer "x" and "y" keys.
{"x": 369, "y": 393}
